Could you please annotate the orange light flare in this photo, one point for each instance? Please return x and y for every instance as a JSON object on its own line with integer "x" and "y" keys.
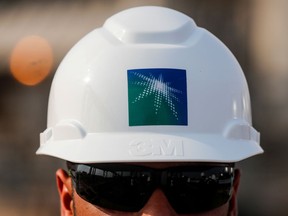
{"x": 31, "y": 60}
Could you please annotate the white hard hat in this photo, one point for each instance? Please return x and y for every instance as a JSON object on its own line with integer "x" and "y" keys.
{"x": 149, "y": 86}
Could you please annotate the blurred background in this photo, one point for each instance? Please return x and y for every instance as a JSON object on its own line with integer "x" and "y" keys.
{"x": 35, "y": 36}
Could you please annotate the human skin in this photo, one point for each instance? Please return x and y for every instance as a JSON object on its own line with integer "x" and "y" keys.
{"x": 73, "y": 205}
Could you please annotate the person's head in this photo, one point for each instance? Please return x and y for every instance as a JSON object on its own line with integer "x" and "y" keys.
{"x": 151, "y": 113}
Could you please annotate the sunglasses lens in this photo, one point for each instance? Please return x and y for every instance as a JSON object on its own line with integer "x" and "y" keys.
{"x": 118, "y": 190}
{"x": 193, "y": 192}
{"x": 128, "y": 188}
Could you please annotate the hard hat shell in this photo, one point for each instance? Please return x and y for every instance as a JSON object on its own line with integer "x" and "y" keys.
{"x": 149, "y": 86}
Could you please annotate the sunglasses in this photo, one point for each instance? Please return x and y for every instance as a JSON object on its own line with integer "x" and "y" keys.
{"x": 125, "y": 187}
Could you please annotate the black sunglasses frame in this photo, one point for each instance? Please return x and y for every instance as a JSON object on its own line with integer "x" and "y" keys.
{"x": 125, "y": 187}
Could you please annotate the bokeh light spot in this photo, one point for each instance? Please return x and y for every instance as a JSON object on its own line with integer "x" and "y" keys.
{"x": 31, "y": 60}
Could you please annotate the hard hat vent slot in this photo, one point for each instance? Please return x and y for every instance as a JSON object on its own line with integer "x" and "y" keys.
{"x": 46, "y": 136}
{"x": 67, "y": 130}
{"x": 241, "y": 130}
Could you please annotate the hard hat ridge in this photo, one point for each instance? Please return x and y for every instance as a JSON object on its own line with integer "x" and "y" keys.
{"x": 150, "y": 24}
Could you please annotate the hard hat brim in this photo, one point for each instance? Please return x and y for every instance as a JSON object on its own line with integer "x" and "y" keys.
{"x": 150, "y": 147}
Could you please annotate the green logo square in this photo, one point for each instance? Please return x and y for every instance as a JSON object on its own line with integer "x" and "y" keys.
{"x": 157, "y": 96}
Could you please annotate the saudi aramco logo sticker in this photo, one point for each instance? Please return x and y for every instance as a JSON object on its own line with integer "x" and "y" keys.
{"x": 157, "y": 97}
